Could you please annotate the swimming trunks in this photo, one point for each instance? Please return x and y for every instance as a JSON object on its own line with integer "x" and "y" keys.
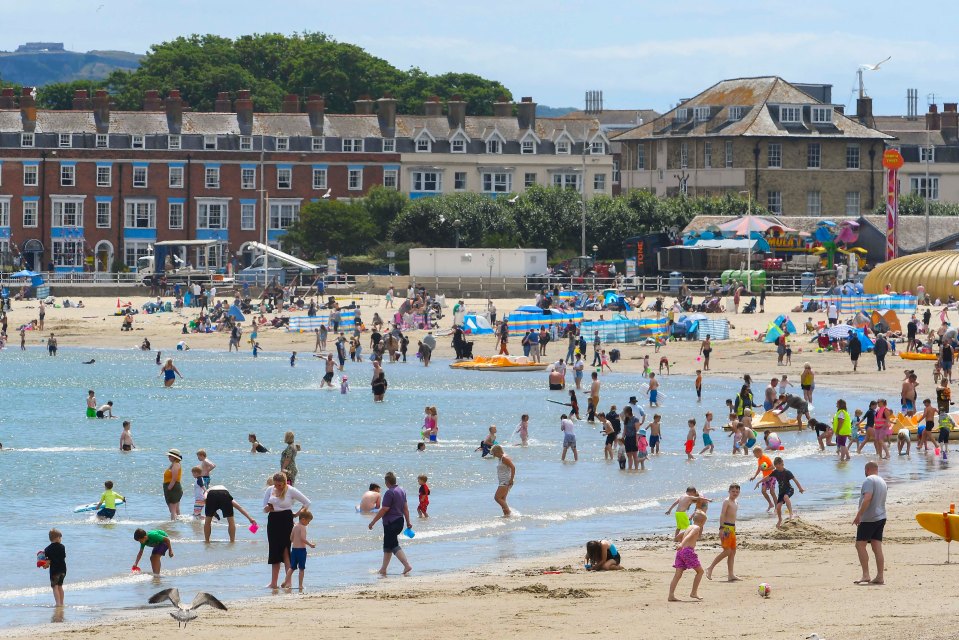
{"x": 614, "y": 554}
{"x": 907, "y": 405}
{"x": 682, "y": 520}
{"x": 689, "y": 446}
{"x": 727, "y": 536}
{"x": 569, "y": 440}
{"x": 943, "y": 434}
{"x": 768, "y": 483}
{"x": 218, "y": 500}
{"x": 841, "y": 441}
{"x": 707, "y": 440}
{"x": 653, "y": 394}
{"x": 789, "y": 491}
{"x": 686, "y": 558}
{"x": 328, "y": 377}
{"x": 653, "y": 441}
{"x": 750, "y": 442}
{"x": 127, "y": 447}
{"x": 298, "y": 558}
{"x": 106, "y": 513}
{"x": 160, "y": 549}
{"x": 91, "y": 412}
{"x": 555, "y": 387}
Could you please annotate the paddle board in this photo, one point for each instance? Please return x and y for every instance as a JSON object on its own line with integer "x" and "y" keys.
{"x": 944, "y": 525}
{"x": 92, "y": 506}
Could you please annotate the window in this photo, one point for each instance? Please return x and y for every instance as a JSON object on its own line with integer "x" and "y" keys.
{"x": 597, "y": 148}
{"x": 30, "y": 208}
{"x": 102, "y": 140}
{"x": 736, "y": 113}
{"x": 708, "y": 155}
{"x": 774, "y": 201}
{"x": 729, "y": 154}
{"x": 682, "y": 114}
{"x": 641, "y": 157}
{"x": 497, "y": 182}
{"x": 173, "y": 142}
{"x": 140, "y": 177}
{"x": 852, "y": 156}
{"x": 459, "y": 181}
{"x": 566, "y": 180}
{"x": 26, "y": 140}
{"x": 790, "y": 115}
{"x": 599, "y": 182}
{"x": 528, "y": 147}
{"x": 283, "y": 214}
{"x": 821, "y": 115}
{"x": 176, "y": 177}
{"x": 68, "y": 253}
{"x": 927, "y": 154}
{"x": 701, "y": 114}
{"x": 814, "y": 203}
{"x": 211, "y": 215}
{"x": 137, "y": 141}
{"x": 354, "y": 181}
{"x": 175, "y": 219}
{"x": 104, "y": 175}
{"x": 29, "y": 175}
{"x": 813, "y": 155}
{"x": 354, "y": 145}
{"x": 424, "y": 144}
{"x": 391, "y": 178}
{"x": 774, "y": 155}
{"x": 140, "y": 214}
{"x": 683, "y": 155}
{"x": 430, "y": 181}
{"x": 5, "y": 217}
{"x": 616, "y": 176}
{"x": 919, "y": 186}
{"x": 103, "y": 214}
{"x": 458, "y": 145}
{"x": 852, "y": 203}
{"x": 247, "y": 216}
{"x": 212, "y": 177}
{"x": 563, "y": 147}
{"x": 209, "y": 143}
{"x": 389, "y": 145}
{"x": 319, "y": 144}
{"x": 284, "y": 178}
{"x": 319, "y": 178}
{"x": 65, "y": 140}
{"x": 246, "y": 143}
{"x": 494, "y": 145}
{"x": 248, "y": 177}
{"x": 67, "y": 213}
{"x": 529, "y": 179}
{"x": 282, "y": 144}
{"x": 68, "y": 175}
{"x": 133, "y": 250}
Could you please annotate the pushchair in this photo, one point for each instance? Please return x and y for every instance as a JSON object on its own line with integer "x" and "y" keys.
{"x": 751, "y": 307}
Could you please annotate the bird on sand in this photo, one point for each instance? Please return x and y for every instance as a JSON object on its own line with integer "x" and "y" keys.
{"x": 184, "y": 613}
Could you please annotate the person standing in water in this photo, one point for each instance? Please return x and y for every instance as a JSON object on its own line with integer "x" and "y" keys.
{"x": 393, "y": 511}
{"x": 169, "y": 372}
{"x": 172, "y": 489}
{"x": 91, "y": 404}
{"x": 505, "y": 474}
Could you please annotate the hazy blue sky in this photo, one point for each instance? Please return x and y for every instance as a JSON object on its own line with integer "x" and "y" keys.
{"x": 640, "y": 54}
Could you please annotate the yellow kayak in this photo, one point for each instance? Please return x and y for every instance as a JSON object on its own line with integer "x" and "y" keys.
{"x": 500, "y": 363}
{"x": 912, "y": 355}
{"x": 774, "y": 422}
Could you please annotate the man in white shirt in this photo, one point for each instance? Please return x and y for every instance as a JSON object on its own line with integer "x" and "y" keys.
{"x": 833, "y": 313}
{"x": 569, "y": 437}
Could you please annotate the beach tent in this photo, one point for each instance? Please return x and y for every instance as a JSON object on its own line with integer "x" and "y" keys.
{"x": 887, "y": 319}
{"x": 864, "y": 340}
{"x": 612, "y": 298}
{"x": 790, "y": 327}
{"x": 529, "y": 308}
{"x": 477, "y": 325}
{"x": 772, "y": 333}
{"x": 236, "y": 313}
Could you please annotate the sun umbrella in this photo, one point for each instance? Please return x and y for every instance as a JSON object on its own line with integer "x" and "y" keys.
{"x": 24, "y": 274}
{"x": 748, "y": 224}
{"x": 839, "y": 331}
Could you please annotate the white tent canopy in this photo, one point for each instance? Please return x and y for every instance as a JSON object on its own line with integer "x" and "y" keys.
{"x": 280, "y": 255}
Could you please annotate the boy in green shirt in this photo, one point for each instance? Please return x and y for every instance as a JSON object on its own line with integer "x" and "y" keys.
{"x": 108, "y": 502}
{"x": 159, "y": 541}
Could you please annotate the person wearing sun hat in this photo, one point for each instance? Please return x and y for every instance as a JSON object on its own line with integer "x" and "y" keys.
{"x": 172, "y": 489}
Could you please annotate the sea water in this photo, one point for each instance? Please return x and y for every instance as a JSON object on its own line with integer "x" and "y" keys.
{"x": 55, "y": 458}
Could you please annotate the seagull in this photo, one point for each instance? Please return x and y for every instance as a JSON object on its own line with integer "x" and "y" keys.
{"x": 513, "y": 199}
{"x": 815, "y": 636}
{"x": 329, "y": 192}
{"x": 183, "y": 613}
{"x": 874, "y": 67}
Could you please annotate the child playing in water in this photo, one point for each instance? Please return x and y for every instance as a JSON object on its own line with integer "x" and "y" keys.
{"x": 784, "y": 477}
{"x": 686, "y": 557}
{"x": 764, "y": 465}
{"x": 682, "y": 505}
{"x": 487, "y": 442}
{"x": 699, "y": 385}
{"x": 158, "y": 541}
{"x": 424, "y": 497}
{"x": 344, "y": 385}
{"x": 691, "y": 439}
{"x": 199, "y": 492}
{"x": 293, "y": 359}
{"x": 206, "y": 466}
{"x": 655, "y": 433}
{"x": 708, "y": 439}
{"x": 574, "y": 405}
{"x": 298, "y": 543}
{"x": 108, "y": 501}
{"x": 126, "y": 438}
{"x": 371, "y": 499}
{"x": 601, "y": 555}
{"x": 653, "y": 390}
{"x": 642, "y": 449}
{"x": 646, "y": 369}
{"x": 523, "y": 429}
{"x": 621, "y": 452}
{"x": 56, "y": 555}
{"x": 256, "y": 447}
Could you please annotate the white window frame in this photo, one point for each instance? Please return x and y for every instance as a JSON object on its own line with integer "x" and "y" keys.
{"x": 247, "y": 216}
{"x": 175, "y": 178}
{"x": 246, "y": 143}
{"x": 567, "y": 180}
{"x": 853, "y": 160}
{"x": 389, "y": 145}
{"x": 68, "y": 175}
{"x": 283, "y": 214}
{"x": 707, "y": 154}
{"x": 353, "y": 145}
{"x": 248, "y": 177}
{"x": 820, "y": 115}
{"x": 136, "y": 175}
{"x": 205, "y": 206}
{"x": 497, "y": 181}
{"x": 640, "y": 157}
{"x": 174, "y": 142}
{"x": 460, "y": 180}
{"x": 729, "y": 159}
{"x": 774, "y": 201}
{"x": 320, "y": 178}
{"x": 209, "y": 142}
{"x": 138, "y": 141}
{"x": 494, "y": 145}
{"x": 354, "y": 179}
{"x": 927, "y": 154}
{"x": 102, "y": 141}
{"x": 683, "y": 155}
{"x": 917, "y": 185}
{"x": 282, "y": 143}
{"x": 527, "y": 181}
{"x": 284, "y": 178}
{"x": 814, "y": 203}
{"x": 391, "y": 178}
{"x": 426, "y": 181}
{"x": 134, "y": 249}
{"x": 458, "y": 145}
{"x": 104, "y": 175}
{"x": 528, "y": 147}
{"x": 813, "y": 155}
{"x": 139, "y": 213}
{"x": 853, "y": 203}
{"x": 564, "y": 147}
{"x": 736, "y": 113}
{"x": 597, "y": 148}
{"x": 67, "y": 253}
{"x": 28, "y": 140}
{"x": 599, "y": 182}
{"x": 31, "y": 208}
{"x": 424, "y": 144}
{"x": 107, "y": 207}
{"x": 31, "y": 175}
{"x": 701, "y": 114}
{"x": 59, "y": 215}
{"x": 317, "y": 143}
{"x": 5, "y": 214}
{"x": 774, "y": 155}
{"x": 65, "y": 140}
{"x": 790, "y": 114}
{"x": 682, "y": 114}
{"x": 211, "y": 177}
{"x": 175, "y": 210}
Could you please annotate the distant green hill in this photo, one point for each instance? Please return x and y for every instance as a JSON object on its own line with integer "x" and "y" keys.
{"x": 42, "y": 68}
{"x": 541, "y": 110}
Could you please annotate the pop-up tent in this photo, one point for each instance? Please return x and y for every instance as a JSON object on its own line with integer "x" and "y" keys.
{"x": 887, "y": 320}
{"x": 790, "y": 327}
{"x": 772, "y": 333}
{"x": 477, "y": 325}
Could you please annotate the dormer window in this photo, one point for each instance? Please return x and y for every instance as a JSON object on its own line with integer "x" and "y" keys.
{"x": 682, "y": 114}
{"x": 173, "y": 142}
{"x": 563, "y": 146}
{"x": 701, "y": 114}
{"x": 597, "y": 148}
{"x": 424, "y": 144}
{"x": 282, "y": 144}
{"x": 821, "y": 115}
{"x": 528, "y": 147}
{"x": 458, "y": 145}
{"x": 246, "y": 143}
{"x": 65, "y": 140}
{"x": 790, "y": 115}
{"x": 209, "y": 143}
{"x": 494, "y": 145}
{"x": 102, "y": 140}
{"x": 138, "y": 141}
{"x": 26, "y": 139}
{"x": 736, "y": 113}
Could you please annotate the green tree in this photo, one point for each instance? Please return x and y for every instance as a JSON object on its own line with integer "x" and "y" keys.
{"x": 331, "y": 227}
{"x": 433, "y": 221}
{"x": 548, "y": 217}
{"x": 384, "y": 205}
{"x": 59, "y": 95}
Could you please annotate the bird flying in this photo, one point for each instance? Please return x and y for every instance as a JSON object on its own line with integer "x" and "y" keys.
{"x": 184, "y": 613}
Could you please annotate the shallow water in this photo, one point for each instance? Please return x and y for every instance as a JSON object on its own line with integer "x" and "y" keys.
{"x": 55, "y": 459}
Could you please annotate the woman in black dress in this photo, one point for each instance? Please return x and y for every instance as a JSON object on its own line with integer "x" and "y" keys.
{"x": 278, "y": 504}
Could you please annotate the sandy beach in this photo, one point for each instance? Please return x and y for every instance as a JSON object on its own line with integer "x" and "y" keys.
{"x": 811, "y": 564}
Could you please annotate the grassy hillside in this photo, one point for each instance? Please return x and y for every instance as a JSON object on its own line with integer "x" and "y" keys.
{"x": 38, "y": 69}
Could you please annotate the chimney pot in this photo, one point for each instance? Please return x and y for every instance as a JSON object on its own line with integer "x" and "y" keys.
{"x": 222, "y": 104}
{"x": 456, "y": 112}
{"x": 503, "y": 108}
{"x": 386, "y": 115}
{"x": 363, "y": 106}
{"x": 174, "y": 112}
{"x": 81, "y": 100}
{"x": 933, "y": 108}
{"x": 864, "y": 111}
{"x": 949, "y": 107}
{"x": 526, "y": 114}
{"x": 7, "y": 98}
{"x": 152, "y": 101}
{"x": 933, "y": 118}
{"x": 432, "y": 106}
{"x": 28, "y": 109}
{"x": 291, "y": 103}
{"x": 315, "y": 108}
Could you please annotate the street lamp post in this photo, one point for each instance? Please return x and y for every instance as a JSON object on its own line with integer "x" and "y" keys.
{"x": 749, "y": 249}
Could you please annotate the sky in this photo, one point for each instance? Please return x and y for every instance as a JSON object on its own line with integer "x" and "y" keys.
{"x": 639, "y": 54}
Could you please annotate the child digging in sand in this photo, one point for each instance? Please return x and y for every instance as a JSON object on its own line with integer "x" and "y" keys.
{"x": 686, "y": 557}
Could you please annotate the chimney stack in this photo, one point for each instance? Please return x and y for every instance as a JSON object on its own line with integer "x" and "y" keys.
{"x": 432, "y": 106}
{"x": 315, "y": 109}
{"x": 950, "y": 121}
{"x": 222, "y": 104}
{"x": 101, "y": 110}
{"x": 291, "y": 103}
{"x": 28, "y": 109}
{"x": 8, "y": 98}
{"x": 152, "y": 101}
{"x": 386, "y": 114}
{"x": 503, "y": 108}
{"x": 363, "y": 106}
{"x": 864, "y": 111}
{"x": 174, "y": 112}
{"x": 932, "y": 118}
{"x": 526, "y": 114}
{"x": 244, "y": 111}
{"x": 81, "y": 100}
{"x": 456, "y": 112}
